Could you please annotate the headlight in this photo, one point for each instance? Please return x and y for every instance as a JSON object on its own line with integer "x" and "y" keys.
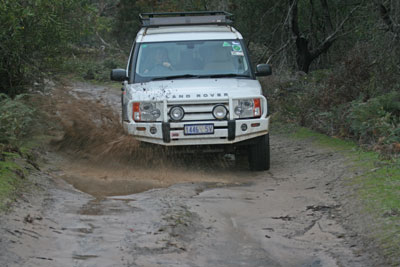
{"x": 145, "y": 111}
{"x": 176, "y": 113}
{"x": 219, "y": 112}
{"x": 248, "y": 108}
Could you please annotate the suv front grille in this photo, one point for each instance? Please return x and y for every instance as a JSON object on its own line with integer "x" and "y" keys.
{"x": 198, "y": 112}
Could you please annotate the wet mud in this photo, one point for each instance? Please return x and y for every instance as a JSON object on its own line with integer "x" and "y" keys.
{"x": 110, "y": 202}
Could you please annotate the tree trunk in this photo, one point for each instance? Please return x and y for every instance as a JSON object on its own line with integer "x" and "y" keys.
{"x": 303, "y": 55}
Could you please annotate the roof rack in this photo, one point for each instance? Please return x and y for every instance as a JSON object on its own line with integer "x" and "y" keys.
{"x": 185, "y": 18}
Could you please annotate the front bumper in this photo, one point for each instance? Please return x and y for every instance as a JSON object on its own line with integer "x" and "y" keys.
{"x": 172, "y": 134}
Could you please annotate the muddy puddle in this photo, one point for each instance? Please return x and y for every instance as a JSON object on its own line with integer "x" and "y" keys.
{"x": 116, "y": 178}
{"x": 101, "y": 160}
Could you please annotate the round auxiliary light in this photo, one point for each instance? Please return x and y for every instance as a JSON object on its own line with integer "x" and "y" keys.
{"x": 220, "y": 112}
{"x": 244, "y": 127}
{"x": 176, "y": 113}
{"x": 153, "y": 130}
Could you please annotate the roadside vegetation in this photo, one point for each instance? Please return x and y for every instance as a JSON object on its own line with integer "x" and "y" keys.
{"x": 33, "y": 35}
{"x": 354, "y": 100}
{"x": 336, "y": 71}
{"x": 15, "y": 122}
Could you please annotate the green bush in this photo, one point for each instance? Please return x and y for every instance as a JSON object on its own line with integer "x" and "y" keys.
{"x": 359, "y": 99}
{"x": 33, "y": 33}
{"x": 16, "y": 119}
{"x": 375, "y": 121}
{"x": 378, "y": 119}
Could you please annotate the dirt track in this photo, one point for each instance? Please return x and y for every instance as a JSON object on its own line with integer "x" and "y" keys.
{"x": 199, "y": 211}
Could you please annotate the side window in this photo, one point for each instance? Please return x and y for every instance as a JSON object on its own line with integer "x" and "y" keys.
{"x": 128, "y": 68}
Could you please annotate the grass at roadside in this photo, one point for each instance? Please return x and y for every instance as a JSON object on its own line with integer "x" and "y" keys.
{"x": 377, "y": 187}
{"x": 338, "y": 144}
{"x": 17, "y": 163}
{"x": 20, "y": 131}
{"x": 12, "y": 178}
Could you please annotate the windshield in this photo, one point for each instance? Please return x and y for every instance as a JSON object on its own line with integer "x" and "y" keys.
{"x": 191, "y": 59}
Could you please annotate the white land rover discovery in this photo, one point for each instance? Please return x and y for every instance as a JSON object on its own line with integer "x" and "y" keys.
{"x": 189, "y": 82}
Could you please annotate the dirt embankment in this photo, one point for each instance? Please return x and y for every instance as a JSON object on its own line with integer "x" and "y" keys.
{"x": 197, "y": 210}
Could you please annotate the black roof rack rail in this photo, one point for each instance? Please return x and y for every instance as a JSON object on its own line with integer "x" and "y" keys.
{"x": 185, "y": 18}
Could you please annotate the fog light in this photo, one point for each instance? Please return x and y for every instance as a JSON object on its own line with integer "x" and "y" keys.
{"x": 244, "y": 127}
{"x": 153, "y": 130}
{"x": 176, "y": 113}
{"x": 220, "y": 112}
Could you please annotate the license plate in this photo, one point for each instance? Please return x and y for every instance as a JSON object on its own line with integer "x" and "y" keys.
{"x": 198, "y": 129}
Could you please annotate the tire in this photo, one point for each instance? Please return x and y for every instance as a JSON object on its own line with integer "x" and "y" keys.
{"x": 259, "y": 157}
{"x": 122, "y": 109}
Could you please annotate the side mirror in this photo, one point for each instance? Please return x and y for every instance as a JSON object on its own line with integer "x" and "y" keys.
{"x": 263, "y": 70}
{"x": 118, "y": 75}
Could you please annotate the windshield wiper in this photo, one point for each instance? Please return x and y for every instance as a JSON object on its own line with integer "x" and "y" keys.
{"x": 183, "y": 76}
{"x": 228, "y": 75}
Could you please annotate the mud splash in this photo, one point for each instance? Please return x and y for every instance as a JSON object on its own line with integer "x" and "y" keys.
{"x": 92, "y": 130}
{"x": 102, "y": 161}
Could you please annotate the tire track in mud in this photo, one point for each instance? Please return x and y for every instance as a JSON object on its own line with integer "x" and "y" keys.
{"x": 203, "y": 210}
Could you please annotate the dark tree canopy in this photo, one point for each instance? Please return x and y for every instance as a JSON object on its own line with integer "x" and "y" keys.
{"x": 302, "y": 35}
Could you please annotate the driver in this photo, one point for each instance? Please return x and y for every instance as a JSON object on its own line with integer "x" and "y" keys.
{"x": 160, "y": 59}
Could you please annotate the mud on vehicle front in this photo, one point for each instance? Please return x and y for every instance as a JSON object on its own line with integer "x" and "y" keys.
{"x": 189, "y": 82}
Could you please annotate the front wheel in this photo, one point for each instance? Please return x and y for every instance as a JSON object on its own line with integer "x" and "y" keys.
{"x": 259, "y": 154}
